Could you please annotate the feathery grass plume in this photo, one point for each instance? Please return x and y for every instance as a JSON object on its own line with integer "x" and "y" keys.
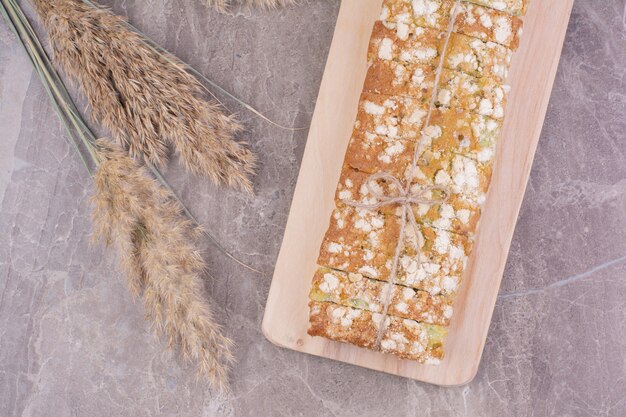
{"x": 156, "y": 243}
{"x": 145, "y": 97}
{"x": 144, "y": 220}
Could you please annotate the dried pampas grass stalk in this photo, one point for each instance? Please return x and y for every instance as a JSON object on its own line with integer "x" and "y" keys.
{"x": 144, "y": 221}
{"x": 156, "y": 245}
{"x": 145, "y": 97}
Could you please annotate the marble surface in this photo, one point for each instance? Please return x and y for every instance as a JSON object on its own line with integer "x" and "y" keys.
{"x": 74, "y": 343}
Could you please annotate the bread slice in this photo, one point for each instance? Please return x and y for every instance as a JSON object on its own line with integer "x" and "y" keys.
{"x": 402, "y": 337}
{"x": 357, "y": 291}
{"x": 484, "y": 23}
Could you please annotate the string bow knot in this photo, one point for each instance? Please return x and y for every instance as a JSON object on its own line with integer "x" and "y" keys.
{"x": 405, "y": 196}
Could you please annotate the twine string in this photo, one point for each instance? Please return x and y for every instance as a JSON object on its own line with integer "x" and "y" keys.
{"x": 405, "y": 197}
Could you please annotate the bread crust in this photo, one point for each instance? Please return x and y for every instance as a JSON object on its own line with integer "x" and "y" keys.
{"x": 402, "y": 337}
{"x": 484, "y": 23}
{"x": 357, "y": 291}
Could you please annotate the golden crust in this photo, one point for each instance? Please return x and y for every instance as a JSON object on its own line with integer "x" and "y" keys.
{"x": 397, "y": 78}
{"x": 354, "y": 187}
{"x": 342, "y": 324}
{"x": 371, "y": 153}
{"x": 461, "y": 132}
{"x": 364, "y": 242}
{"x": 478, "y": 58}
{"x": 456, "y": 215}
{"x": 441, "y": 262}
{"x": 391, "y": 116}
{"x": 514, "y": 7}
{"x": 484, "y": 23}
{"x": 402, "y": 337}
{"x": 356, "y": 291}
{"x": 489, "y": 25}
{"x": 426, "y": 13}
{"x": 466, "y": 177}
{"x": 417, "y": 46}
{"x": 457, "y": 89}
{"x": 416, "y": 341}
{"x": 460, "y": 213}
{"x": 360, "y": 241}
{"x": 424, "y": 45}
{"x": 484, "y": 96}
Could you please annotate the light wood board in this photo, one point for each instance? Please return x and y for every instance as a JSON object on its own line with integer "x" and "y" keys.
{"x": 532, "y": 75}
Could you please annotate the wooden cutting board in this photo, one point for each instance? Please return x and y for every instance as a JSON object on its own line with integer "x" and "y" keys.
{"x": 531, "y": 78}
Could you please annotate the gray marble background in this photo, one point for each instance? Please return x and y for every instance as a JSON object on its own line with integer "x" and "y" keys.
{"x": 74, "y": 343}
